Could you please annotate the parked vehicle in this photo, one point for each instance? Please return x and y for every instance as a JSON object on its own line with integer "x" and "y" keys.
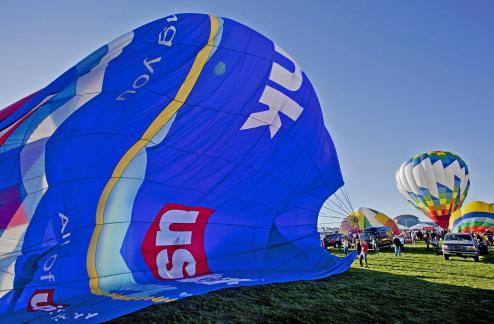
{"x": 460, "y": 244}
{"x": 483, "y": 245}
{"x": 334, "y": 240}
{"x": 383, "y": 236}
{"x": 490, "y": 237}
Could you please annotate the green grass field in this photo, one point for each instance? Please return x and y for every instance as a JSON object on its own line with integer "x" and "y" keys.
{"x": 418, "y": 287}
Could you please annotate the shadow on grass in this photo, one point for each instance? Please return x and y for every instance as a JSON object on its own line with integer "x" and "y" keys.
{"x": 359, "y": 295}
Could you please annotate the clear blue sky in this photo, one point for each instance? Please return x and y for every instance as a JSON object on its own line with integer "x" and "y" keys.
{"x": 394, "y": 78}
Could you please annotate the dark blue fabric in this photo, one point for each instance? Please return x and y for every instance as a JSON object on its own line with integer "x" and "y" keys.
{"x": 257, "y": 195}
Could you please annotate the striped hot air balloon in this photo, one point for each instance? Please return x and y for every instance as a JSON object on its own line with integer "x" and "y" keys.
{"x": 363, "y": 218}
{"x": 477, "y": 216}
{"x": 436, "y": 183}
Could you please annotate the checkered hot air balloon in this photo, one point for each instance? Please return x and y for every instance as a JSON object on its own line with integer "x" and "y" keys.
{"x": 436, "y": 183}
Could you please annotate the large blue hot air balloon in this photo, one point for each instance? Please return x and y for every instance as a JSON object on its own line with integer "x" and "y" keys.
{"x": 186, "y": 156}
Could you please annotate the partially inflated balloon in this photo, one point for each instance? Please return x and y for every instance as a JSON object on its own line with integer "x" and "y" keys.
{"x": 407, "y": 220}
{"x": 476, "y": 216}
{"x": 436, "y": 183}
{"x": 363, "y": 218}
{"x": 186, "y": 156}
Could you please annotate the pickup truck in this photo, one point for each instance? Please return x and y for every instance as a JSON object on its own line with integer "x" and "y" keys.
{"x": 460, "y": 244}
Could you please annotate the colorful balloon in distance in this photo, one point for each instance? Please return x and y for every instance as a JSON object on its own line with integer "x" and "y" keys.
{"x": 363, "y": 218}
{"x": 476, "y": 216}
{"x": 186, "y": 156}
{"x": 435, "y": 183}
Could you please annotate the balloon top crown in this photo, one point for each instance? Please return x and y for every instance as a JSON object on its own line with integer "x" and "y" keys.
{"x": 445, "y": 157}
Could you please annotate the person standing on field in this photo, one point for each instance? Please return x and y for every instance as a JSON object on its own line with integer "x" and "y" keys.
{"x": 402, "y": 243}
{"x": 374, "y": 244}
{"x": 346, "y": 245}
{"x": 397, "y": 244}
{"x": 358, "y": 248}
{"x": 363, "y": 253}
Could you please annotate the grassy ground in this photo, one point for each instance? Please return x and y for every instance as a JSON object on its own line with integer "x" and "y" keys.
{"x": 418, "y": 287}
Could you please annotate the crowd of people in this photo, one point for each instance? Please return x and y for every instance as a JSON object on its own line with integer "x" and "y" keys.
{"x": 487, "y": 236}
{"x": 431, "y": 238}
{"x": 360, "y": 246}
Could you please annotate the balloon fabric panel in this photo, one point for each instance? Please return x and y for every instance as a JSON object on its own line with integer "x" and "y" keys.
{"x": 186, "y": 156}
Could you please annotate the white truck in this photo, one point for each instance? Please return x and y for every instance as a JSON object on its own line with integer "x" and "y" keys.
{"x": 460, "y": 244}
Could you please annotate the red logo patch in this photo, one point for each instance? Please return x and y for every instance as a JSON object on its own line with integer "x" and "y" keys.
{"x": 42, "y": 300}
{"x": 173, "y": 247}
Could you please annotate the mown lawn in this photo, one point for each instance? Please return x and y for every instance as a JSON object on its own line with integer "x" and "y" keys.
{"x": 418, "y": 287}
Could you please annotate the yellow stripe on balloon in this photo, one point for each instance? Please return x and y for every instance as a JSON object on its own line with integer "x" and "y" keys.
{"x": 472, "y": 207}
{"x": 381, "y": 218}
{"x": 167, "y": 113}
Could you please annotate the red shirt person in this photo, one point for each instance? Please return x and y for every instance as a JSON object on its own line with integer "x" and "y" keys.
{"x": 363, "y": 253}
{"x": 365, "y": 246}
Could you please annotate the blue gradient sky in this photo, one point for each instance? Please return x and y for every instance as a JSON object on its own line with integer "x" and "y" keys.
{"x": 394, "y": 78}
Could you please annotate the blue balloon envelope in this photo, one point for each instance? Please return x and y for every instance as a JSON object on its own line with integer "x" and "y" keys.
{"x": 186, "y": 156}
